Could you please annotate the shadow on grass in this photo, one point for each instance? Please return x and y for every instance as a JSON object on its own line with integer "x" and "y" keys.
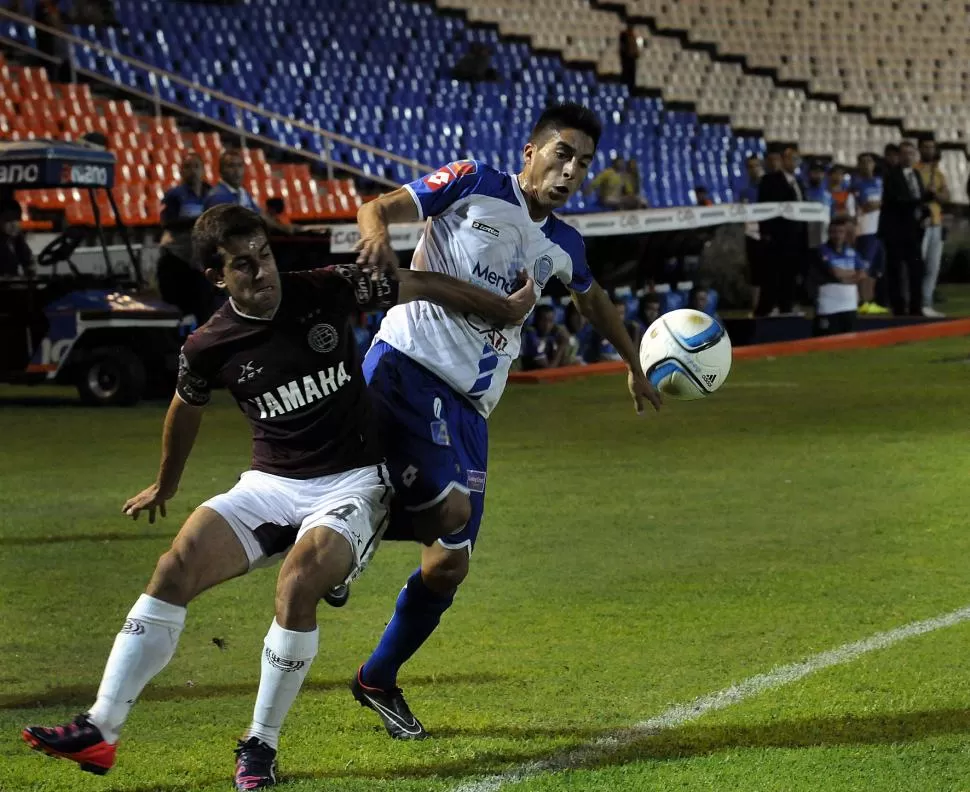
{"x": 83, "y": 695}
{"x": 626, "y": 747}
{"x": 134, "y": 535}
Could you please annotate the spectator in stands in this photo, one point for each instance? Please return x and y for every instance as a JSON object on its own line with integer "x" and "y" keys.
{"x": 867, "y": 188}
{"x": 232, "y": 169}
{"x": 633, "y": 186}
{"x": 579, "y": 331}
{"x": 608, "y": 185}
{"x": 701, "y": 196}
{"x": 843, "y": 201}
{"x": 48, "y": 13}
{"x": 938, "y": 193}
{"x": 544, "y": 344}
{"x": 773, "y": 161}
{"x": 276, "y": 208}
{"x": 904, "y": 210}
{"x": 180, "y": 281}
{"x": 842, "y": 273}
{"x": 752, "y": 233}
{"x": 475, "y": 65}
{"x": 600, "y": 349}
{"x": 16, "y": 257}
{"x": 699, "y": 299}
{"x": 629, "y": 55}
{"x": 786, "y": 241}
{"x": 890, "y": 159}
{"x": 649, "y": 310}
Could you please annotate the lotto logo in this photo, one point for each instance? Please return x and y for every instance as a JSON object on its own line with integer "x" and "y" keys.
{"x": 447, "y": 174}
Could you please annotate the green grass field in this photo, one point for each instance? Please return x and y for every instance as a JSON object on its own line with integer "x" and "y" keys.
{"x": 625, "y": 565}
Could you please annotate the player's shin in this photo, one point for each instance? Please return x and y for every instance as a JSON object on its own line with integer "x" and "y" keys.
{"x": 287, "y": 656}
{"x": 141, "y": 650}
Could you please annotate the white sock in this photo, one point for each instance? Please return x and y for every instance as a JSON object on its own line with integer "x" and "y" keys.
{"x": 287, "y": 656}
{"x": 143, "y": 648}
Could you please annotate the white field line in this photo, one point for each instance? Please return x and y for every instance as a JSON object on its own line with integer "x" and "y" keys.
{"x": 680, "y": 714}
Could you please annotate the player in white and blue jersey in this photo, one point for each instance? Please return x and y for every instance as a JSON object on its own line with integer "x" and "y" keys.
{"x": 436, "y": 375}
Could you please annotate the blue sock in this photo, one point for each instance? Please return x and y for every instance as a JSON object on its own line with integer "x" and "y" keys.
{"x": 417, "y": 614}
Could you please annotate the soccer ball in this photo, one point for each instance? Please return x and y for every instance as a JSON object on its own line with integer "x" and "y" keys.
{"x": 686, "y": 354}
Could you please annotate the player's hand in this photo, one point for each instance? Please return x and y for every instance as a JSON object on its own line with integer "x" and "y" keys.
{"x": 640, "y": 389}
{"x": 521, "y": 301}
{"x": 376, "y": 256}
{"x": 150, "y": 500}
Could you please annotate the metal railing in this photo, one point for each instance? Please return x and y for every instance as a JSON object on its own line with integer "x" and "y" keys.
{"x": 240, "y": 107}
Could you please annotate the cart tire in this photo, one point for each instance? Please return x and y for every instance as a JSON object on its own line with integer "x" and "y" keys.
{"x": 110, "y": 376}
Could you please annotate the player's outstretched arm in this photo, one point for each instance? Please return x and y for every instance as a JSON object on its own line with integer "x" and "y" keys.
{"x": 596, "y": 306}
{"x": 374, "y": 251}
{"x": 178, "y": 436}
{"x": 461, "y": 297}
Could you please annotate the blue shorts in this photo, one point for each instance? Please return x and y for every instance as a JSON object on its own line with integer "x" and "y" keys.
{"x": 870, "y": 248}
{"x": 434, "y": 439}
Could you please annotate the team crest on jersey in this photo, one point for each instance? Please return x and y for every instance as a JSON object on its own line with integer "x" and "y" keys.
{"x": 446, "y": 174}
{"x": 322, "y": 338}
{"x": 543, "y": 270}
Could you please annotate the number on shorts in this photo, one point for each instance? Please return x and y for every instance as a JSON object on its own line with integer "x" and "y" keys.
{"x": 409, "y": 475}
{"x": 343, "y": 512}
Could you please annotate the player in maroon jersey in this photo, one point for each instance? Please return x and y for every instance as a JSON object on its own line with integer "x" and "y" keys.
{"x": 284, "y": 347}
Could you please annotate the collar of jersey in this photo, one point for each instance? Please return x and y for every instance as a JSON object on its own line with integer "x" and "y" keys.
{"x": 252, "y": 318}
{"x": 233, "y": 190}
{"x": 523, "y": 204}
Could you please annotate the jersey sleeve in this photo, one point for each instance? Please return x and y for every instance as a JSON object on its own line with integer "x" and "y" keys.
{"x": 578, "y": 277}
{"x": 195, "y": 380}
{"x": 437, "y": 191}
{"x": 171, "y": 206}
{"x": 351, "y": 288}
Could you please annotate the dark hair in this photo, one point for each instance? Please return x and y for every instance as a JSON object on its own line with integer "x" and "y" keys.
{"x": 891, "y": 148}
{"x": 216, "y": 226}
{"x": 233, "y": 152}
{"x": 838, "y": 221}
{"x": 540, "y": 311}
{"x": 275, "y": 204}
{"x": 750, "y": 157}
{"x": 567, "y": 115}
{"x": 651, "y": 297}
{"x": 192, "y": 154}
{"x": 836, "y": 167}
{"x": 907, "y": 144}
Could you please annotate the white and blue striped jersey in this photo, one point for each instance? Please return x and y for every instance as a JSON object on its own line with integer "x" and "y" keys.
{"x": 479, "y": 230}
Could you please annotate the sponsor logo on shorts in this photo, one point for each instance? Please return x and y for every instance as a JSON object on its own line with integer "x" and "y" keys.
{"x": 133, "y": 627}
{"x": 283, "y": 665}
{"x": 476, "y": 480}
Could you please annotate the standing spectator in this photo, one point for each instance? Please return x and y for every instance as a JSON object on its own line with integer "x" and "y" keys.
{"x": 841, "y": 272}
{"x": 180, "y": 282}
{"x": 938, "y": 192}
{"x": 890, "y": 158}
{"x": 701, "y": 196}
{"x": 867, "y": 188}
{"x": 772, "y": 161}
{"x": 786, "y": 242}
{"x": 544, "y": 344}
{"x": 817, "y": 191}
{"x": 230, "y": 189}
{"x": 16, "y": 257}
{"x": 633, "y": 186}
{"x": 608, "y": 185}
{"x": 629, "y": 55}
{"x": 752, "y": 233}
{"x": 47, "y": 13}
{"x": 901, "y": 231}
{"x": 843, "y": 201}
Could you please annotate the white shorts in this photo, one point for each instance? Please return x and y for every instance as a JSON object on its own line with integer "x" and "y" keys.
{"x": 270, "y": 513}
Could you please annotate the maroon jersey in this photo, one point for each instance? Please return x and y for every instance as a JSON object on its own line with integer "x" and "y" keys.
{"x": 297, "y": 376}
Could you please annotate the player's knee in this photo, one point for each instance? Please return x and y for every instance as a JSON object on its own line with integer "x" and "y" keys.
{"x": 445, "y": 572}
{"x": 175, "y": 580}
{"x": 447, "y": 517}
{"x": 321, "y": 560}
